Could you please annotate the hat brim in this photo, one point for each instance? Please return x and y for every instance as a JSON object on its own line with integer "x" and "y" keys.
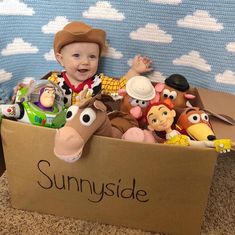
{"x": 64, "y": 38}
{"x": 131, "y": 92}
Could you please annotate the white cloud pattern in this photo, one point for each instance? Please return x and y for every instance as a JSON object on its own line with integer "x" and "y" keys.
{"x": 151, "y": 32}
{"x": 112, "y": 53}
{"x": 230, "y": 47}
{"x": 186, "y": 42}
{"x": 15, "y": 7}
{"x": 171, "y": 2}
{"x": 200, "y": 20}
{"x": 103, "y": 10}
{"x": 193, "y": 59}
{"x": 54, "y": 26}
{"x": 19, "y": 46}
{"x": 4, "y": 75}
{"x": 157, "y": 76}
{"x": 228, "y": 77}
{"x": 50, "y": 56}
{"x": 130, "y": 61}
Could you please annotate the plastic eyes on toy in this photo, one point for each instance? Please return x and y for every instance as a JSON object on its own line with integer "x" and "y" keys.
{"x": 194, "y": 118}
{"x": 141, "y": 103}
{"x": 205, "y": 117}
{"x": 165, "y": 93}
{"x": 134, "y": 102}
{"x": 71, "y": 112}
{"x": 154, "y": 121}
{"x": 169, "y": 94}
{"x": 87, "y": 116}
{"x": 165, "y": 113}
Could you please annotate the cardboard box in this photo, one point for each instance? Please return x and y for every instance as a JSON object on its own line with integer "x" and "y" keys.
{"x": 2, "y": 162}
{"x": 153, "y": 187}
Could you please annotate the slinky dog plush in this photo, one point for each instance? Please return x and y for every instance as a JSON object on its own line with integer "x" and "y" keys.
{"x": 194, "y": 122}
{"x": 176, "y": 88}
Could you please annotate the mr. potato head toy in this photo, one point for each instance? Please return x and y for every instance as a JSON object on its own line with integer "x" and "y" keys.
{"x": 177, "y": 89}
{"x": 137, "y": 96}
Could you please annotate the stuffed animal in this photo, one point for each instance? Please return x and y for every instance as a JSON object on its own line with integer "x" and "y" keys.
{"x": 160, "y": 117}
{"x": 176, "y": 88}
{"x": 83, "y": 120}
{"x": 138, "y": 95}
{"x": 40, "y": 103}
{"x": 135, "y": 134}
{"x": 194, "y": 122}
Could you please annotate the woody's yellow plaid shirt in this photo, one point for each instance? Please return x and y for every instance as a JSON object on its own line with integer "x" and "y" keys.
{"x": 109, "y": 86}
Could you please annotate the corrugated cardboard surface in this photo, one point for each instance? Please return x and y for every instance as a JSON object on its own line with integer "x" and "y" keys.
{"x": 2, "y": 162}
{"x": 220, "y": 103}
{"x": 149, "y": 186}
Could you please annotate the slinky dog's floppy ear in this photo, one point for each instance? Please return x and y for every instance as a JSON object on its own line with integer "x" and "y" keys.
{"x": 99, "y": 105}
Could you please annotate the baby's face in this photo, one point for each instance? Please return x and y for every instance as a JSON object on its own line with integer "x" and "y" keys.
{"x": 80, "y": 61}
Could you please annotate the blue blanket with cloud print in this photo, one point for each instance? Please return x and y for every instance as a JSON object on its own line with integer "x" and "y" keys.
{"x": 192, "y": 38}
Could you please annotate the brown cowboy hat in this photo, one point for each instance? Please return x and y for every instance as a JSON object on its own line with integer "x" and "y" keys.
{"x": 78, "y": 32}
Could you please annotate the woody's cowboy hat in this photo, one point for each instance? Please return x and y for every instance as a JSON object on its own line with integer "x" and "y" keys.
{"x": 78, "y": 32}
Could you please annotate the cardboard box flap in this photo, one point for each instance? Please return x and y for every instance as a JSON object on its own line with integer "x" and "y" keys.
{"x": 219, "y": 103}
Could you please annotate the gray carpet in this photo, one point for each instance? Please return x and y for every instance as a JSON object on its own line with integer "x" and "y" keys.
{"x": 219, "y": 215}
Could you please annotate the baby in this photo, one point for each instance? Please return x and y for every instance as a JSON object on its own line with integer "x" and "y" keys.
{"x": 78, "y": 48}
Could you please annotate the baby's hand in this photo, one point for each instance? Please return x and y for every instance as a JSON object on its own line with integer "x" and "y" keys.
{"x": 141, "y": 64}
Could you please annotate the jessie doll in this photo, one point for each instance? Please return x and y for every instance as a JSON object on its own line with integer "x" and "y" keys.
{"x": 160, "y": 118}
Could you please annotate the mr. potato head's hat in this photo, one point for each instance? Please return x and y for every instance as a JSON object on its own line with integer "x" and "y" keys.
{"x": 178, "y": 82}
{"x": 78, "y": 32}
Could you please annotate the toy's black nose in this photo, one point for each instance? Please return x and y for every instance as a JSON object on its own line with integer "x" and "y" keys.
{"x": 211, "y": 137}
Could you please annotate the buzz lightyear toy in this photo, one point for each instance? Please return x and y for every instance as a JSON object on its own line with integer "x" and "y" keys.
{"x": 37, "y": 103}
